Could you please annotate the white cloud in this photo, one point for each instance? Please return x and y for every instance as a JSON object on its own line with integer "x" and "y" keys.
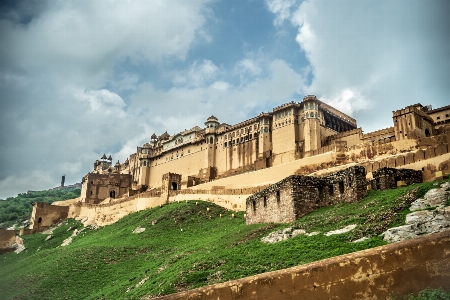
{"x": 198, "y": 74}
{"x": 103, "y": 101}
{"x": 367, "y": 55}
{"x": 281, "y": 8}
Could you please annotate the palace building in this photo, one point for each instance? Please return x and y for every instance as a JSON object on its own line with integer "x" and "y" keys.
{"x": 292, "y": 131}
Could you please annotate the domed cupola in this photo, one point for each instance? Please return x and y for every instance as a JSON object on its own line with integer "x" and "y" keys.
{"x": 212, "y": 124}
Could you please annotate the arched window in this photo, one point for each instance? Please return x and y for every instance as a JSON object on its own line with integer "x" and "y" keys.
{"x": 307, "y": 115}
{"x": 174, "y": 186}
{"x": 145, "y": 163}
{"x": 211, "y": 140}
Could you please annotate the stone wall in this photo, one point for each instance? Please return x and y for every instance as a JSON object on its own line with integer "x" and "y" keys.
{"x": 295, "y": 196}
{"x": 97, "y": 187}
{"x": 7, "y": 238}
{"x": 387, "y": 178}
{"x": 384, "y": 272}
{"x": 45, "y": 215}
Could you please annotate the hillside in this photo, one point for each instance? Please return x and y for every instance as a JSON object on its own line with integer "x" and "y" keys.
{"x": 186, "y": 246}
{"x": 15, "y": 210}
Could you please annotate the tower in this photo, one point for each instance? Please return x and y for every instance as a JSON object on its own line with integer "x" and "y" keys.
{"x": 63, "y": 179}
{"x": 212, "y": 124}
{"x": 312, "y": 119}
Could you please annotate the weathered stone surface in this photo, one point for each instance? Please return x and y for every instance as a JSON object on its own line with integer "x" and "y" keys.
{"x": 343, "y": 230}
{"x": 295, "y": 196}
{"x": 433, "y": 198}
{"x": 424, "y": 221}
{"x": 387, "y": 178}
{"x": 281, "y": 235}
{"x": 139, "y": 230}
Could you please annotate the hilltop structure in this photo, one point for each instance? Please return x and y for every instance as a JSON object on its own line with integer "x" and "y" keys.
{"x": 290, "y": 132}
{"x": 226, "y": 164}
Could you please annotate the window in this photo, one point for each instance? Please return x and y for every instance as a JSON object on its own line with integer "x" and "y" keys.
{"x": 438, "y": 118}
{"x": 254, "y": 205}
{"x": 341, "y": 187}
{"x": 250, "y": 136}
{"x": 225, "y": 144}
{"x": 278, "y": 197}
{"x": 189, "y": 151}
{"x": 331, "y": 190}
{"x": 265, "y": 201}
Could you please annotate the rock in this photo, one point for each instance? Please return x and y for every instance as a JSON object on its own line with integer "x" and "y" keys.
{"x": 400, "y": 233}
{"x": 49, "y": 237}
{"x": 433, "y": 198}
{"x": 361, "y": 240}
{"x": 339, "y": 231}
{"x": 66, "y": 242}
{"x": 313, "y": 233}
{"x": 281, "y": 235}
{"x": 139, "y": 230}
{"x": 297, "y": 232}
{"x": 19, "y": 249}
{"x": 419, "y": 223}
{"x": 84, "y": 220}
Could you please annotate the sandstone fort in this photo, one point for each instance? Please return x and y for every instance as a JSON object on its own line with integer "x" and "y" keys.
{"x": 276, "y": 166}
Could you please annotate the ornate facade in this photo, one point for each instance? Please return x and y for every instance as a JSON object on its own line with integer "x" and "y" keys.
{"x": 291, "y": 131}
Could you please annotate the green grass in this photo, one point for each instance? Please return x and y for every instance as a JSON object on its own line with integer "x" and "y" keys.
{"x": 429, "y": 294}
{"x": 188, "y": 247}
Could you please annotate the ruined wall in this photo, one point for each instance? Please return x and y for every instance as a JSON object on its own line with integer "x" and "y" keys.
{"x": 295, "y": 196}
{"x": 45, "y": 215}
{"x": 387, "y": 178}
{"x": 378, "y": 273}
{"x": 273, "y": 204}
{"x": 7, "y": 238}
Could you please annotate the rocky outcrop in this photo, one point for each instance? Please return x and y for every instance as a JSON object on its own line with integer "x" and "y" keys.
{"x": 424, "y": 219}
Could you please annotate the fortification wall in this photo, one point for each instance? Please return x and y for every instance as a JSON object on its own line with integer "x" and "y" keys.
{"x": 378, "y": 273}
{"x": 45, "y": 215}
{"x": 104, "y": 214}
{"x": 265, "y": 176}
{"x": 231, "y": 202}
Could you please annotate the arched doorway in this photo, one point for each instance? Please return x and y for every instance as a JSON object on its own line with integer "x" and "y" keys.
{"x": 427, "y": 132}
{"x": 40, "y": 220}
{"x": 112, "y": 194}
{"x": 174, "y": 186}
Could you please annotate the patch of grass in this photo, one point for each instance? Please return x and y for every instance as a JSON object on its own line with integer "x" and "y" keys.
{"x": 187, "y": 247}
{"x": 429, "y": 294}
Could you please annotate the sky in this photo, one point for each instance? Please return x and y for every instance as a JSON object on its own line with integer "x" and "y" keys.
{"x": 82, "y": 78}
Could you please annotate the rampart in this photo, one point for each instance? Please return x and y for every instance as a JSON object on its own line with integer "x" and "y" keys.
{"x": 295, "y": 196}
{"x": 45, "y": 215}
{"x": 379, "y": 273}
{"x": 388, "y": 178}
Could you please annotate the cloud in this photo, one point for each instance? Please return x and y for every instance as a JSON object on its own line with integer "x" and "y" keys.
{"x": 368, "y": 56}
{"x": 198, "y": 74}
{"x": 65, "y": 68}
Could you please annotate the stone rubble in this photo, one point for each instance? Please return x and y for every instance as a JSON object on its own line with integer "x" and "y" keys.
{"x": 281, "y": 235}
{"x": 18, "y": 245}
{"x": 139, "y": 230}
{"x": 421, "y": 222}
{"x": 68, "y": 241}
{"x": 343, "y": 230}
{"x": 287, "y": 233}
{"x": 433, "y": 198}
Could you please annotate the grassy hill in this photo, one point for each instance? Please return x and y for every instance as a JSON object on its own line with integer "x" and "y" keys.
{"x": 186, "y": 247}
{"x": 15, "y": 210}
